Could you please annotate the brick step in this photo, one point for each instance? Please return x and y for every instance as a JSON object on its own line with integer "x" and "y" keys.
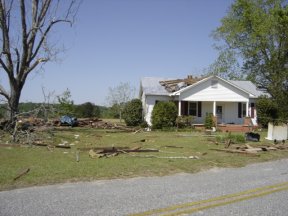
{"x": 234, "y": 128}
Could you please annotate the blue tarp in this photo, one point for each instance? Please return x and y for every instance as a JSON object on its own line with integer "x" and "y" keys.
{"x": 68, "y": 120}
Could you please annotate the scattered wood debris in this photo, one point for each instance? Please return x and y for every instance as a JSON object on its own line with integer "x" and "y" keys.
{"x": 63, "y": 146}
{"x": 228, "y": 143}
{"x": 113, "y": 151}
{"x": 251, "y": 150}
{"x": 98, "y": 123}
{"x": 23, "y": 172}
{"x": 172, "y": 146}
{"x": 237, "y": 151}
{"x": 177, "y": 84}
{"x": 163, "y": 157}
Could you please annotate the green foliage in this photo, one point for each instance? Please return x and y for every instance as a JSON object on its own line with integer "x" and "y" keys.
{"x": 3, "y": 110}
{"x": 184, "y": 121}
{"x": 257, "y": 30}
{"x": 235, "y": 138}
{"x": 144, "y": 124}
{"x": 113, "y": 111}
{"x": 132, "y": 112}
{"x": 66, "y": 105}
{"x": 209, "y": 123}
{"x": 164, "y": 114}
{"x": 87, "y": 110}
{"x": 118, "y": 97}
{"x": 226, "y": 65}
{"x": 266, "y": 111}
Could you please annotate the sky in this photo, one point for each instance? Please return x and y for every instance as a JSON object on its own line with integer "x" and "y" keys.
{"x": 119, "y": 41}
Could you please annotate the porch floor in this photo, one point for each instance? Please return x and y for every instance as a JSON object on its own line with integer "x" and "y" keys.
{"x": 229, "y": 127}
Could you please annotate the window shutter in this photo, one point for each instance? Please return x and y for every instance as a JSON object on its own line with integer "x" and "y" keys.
{"x": 239, "y": 110}
{"x": 199, "y": 108}
{"x": 252, "y": 110}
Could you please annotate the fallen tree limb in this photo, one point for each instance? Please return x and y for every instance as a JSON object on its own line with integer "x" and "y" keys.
{"x": 113, "y": 151}
{"x": 105, "y": 149}
{"x": 172, "y": 146}
{"x": 23, "y": 172}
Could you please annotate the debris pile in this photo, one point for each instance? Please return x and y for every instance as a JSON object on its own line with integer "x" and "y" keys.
{"x": 38, "y": 123}
{"x": 100, "y": 124}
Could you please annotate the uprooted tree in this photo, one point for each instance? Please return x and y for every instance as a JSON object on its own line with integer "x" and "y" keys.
{"x": 25, "y": 27}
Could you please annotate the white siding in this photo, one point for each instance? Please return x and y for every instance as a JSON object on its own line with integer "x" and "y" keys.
{"x": 149, "y": 105}
{"x": 207, "y": 107}
{"x": 205, "y": 92}
{"x": 229, "y": 112}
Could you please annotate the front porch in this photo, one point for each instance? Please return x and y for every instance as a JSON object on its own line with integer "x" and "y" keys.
{"x": 227, "y": 116}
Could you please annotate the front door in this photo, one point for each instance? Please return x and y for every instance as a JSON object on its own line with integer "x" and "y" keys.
{"x": 219, "y": 113}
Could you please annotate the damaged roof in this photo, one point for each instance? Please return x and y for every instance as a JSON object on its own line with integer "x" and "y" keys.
{"x": 166, "y": 86}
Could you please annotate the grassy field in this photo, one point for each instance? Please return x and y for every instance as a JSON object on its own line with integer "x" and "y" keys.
{"x": 48, "y": 166}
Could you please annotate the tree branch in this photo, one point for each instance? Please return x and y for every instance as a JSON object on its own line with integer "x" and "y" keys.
{"x": 5, "y": 37}
{"x": 44, "y": 37}
{"x": 3, "y": 92}
{"x": 24, "y": 38}
{"x": 34, "y": 65}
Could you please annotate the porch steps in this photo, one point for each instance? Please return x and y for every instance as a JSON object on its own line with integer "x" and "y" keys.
{"x": 229, "y": 127}
{"x": 234, "y": 128}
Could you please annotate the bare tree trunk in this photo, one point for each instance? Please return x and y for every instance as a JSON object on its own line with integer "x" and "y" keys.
{"x": 14, "y": 103}
{"x": 24, "y": 41}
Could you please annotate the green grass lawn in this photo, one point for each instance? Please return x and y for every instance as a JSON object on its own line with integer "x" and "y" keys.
{"x": 60, "y": 165}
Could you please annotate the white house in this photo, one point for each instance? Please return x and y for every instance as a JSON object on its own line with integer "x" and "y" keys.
{"x": 230, "y": 102}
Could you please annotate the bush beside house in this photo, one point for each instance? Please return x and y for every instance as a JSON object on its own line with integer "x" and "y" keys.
{"x": 132, "y": 112}
{"x": 164, "y": 115}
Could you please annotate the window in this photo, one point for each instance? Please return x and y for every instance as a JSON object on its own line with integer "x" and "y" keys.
{"x": 214, "y": 83}
{"x": 241, "y": 110}
{"x": 192, "y": 108}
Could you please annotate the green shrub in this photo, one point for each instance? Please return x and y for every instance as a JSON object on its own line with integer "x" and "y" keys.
{"x": 144, "y": 124}
{"x": 209, "y": 123}
{"x": 184, "y": 121}
{"x": 266, "y": 110}
{"x": 164, "y": 114}
{"x": 235, "y": 138}
{"x": 132, "y": 113}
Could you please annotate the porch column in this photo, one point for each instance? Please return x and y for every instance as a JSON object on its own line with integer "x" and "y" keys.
{"x": 179, "y": 108}
{"x": 214, "y": 108}
{"x": 247, "y": 109}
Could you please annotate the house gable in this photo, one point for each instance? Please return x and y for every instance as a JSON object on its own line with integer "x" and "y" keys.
{"x": 213, "y": 89}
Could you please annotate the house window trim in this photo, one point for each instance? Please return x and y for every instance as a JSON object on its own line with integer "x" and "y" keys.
{"x": 198, "y": 108}
{"x": 189, "y": 104}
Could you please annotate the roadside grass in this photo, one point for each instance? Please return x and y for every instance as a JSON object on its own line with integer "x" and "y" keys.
{"x": 60, "y": 165}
